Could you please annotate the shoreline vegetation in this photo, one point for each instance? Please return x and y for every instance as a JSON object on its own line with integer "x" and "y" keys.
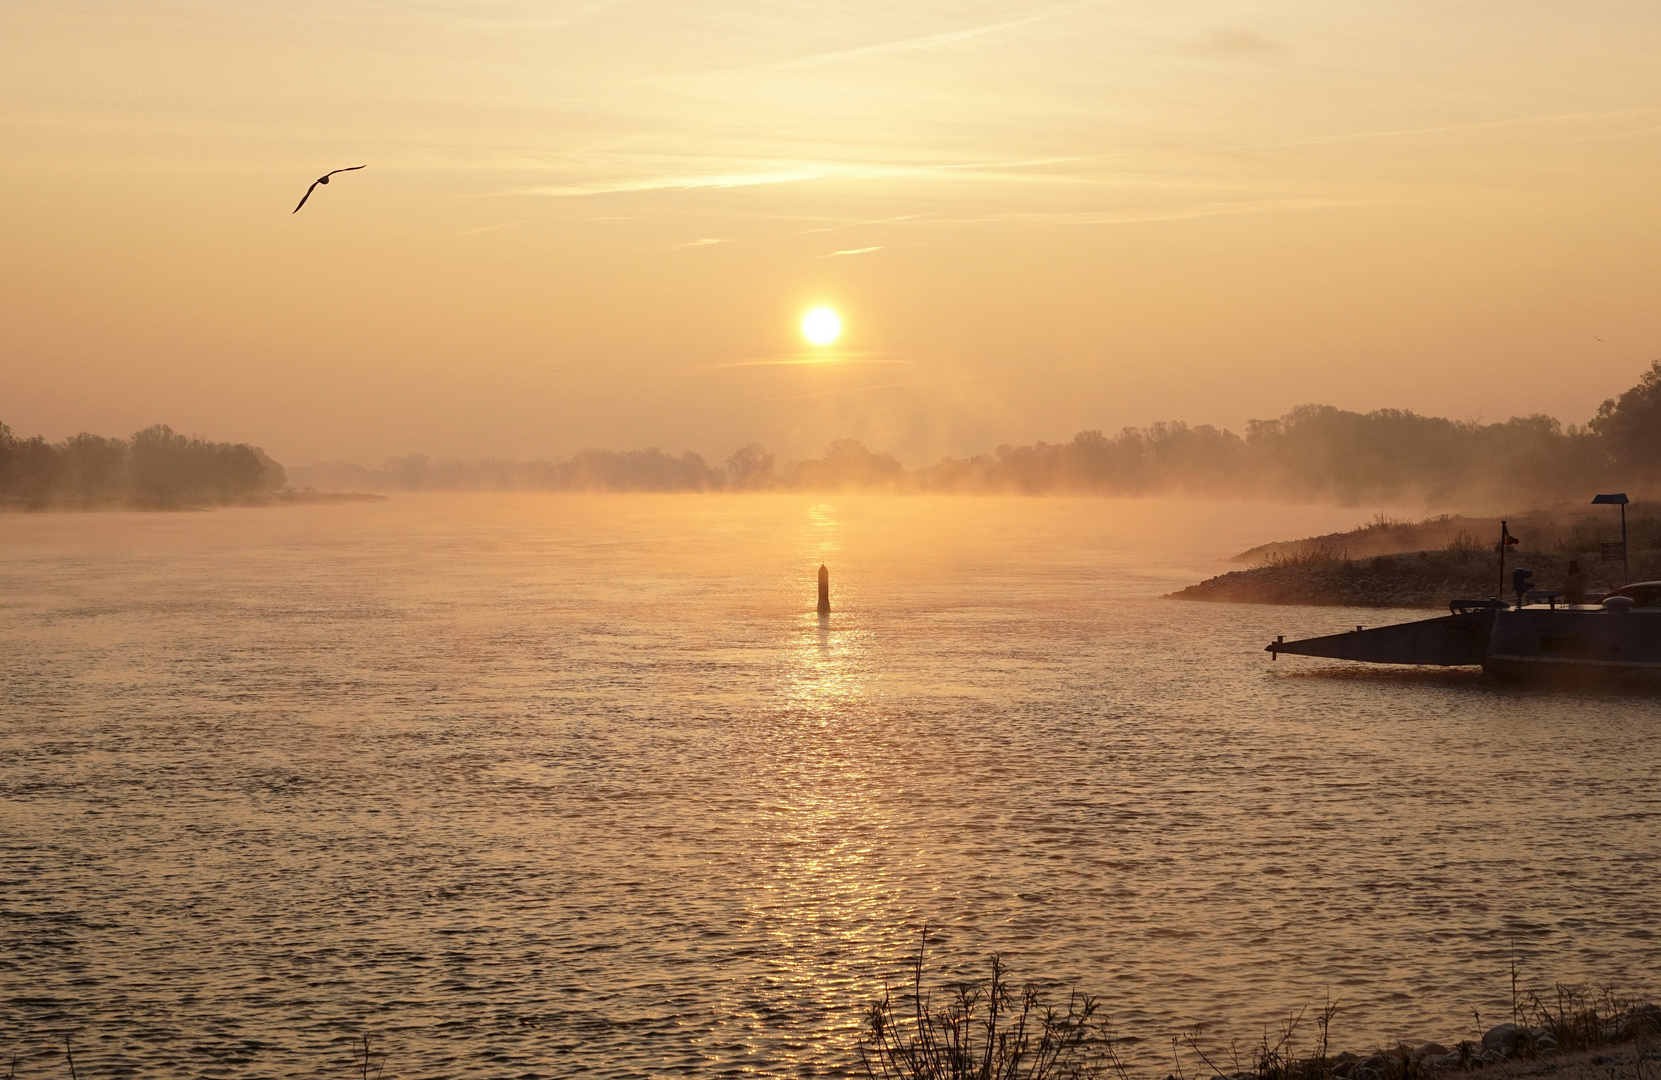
{"x": 988, "y": 1028}
{"x": 1315, "y": 453}
{"x": 1389, "y": 563}
{"x": 156, "y": 469}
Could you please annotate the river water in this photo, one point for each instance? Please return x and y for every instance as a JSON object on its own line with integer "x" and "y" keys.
{"x": 580, "y": 785}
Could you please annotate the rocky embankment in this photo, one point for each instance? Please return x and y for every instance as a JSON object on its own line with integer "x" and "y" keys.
{"x": 1394, "y": 564}
{"x": 1569, "y": 1042}
{"x": 1585, "y": 1044}
{"x": 1417, "y": 579}
{"x": 1427, "y": 579}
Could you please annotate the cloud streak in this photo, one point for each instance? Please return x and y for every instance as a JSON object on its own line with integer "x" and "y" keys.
{"x": 1440, "y": 129}
{"x": 929, "y": 41}
{"x": 802, "y": 172}
{"x": 1182, "y": 213}
{"x": 672, "y": 183}
{"x": 493, "y": 228}
{"x": 870, "y": 221}
{"x": 809, "y": 360}
{"x": 896, "y": 385}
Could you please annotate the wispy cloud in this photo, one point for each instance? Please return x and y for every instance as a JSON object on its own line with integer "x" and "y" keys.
{"x": 1624, "y": 133}
{"x": 1475, "y": 125}
{"x": 705, "y": 242}
{"x": 816, "y": 359}
{"x": 673, "y": 183}
{"x": 1239, "y": 43}
{"x": 929, "y": 41}
{"x": 894, "y": 385}
{"x": 854, "y": 251}
{"x": 855, "y": 390}
{"x": 1177, "y": 213}
{"x": 872, "y": 221}
{"x": 1020, "y": 171}
{"x": 503, "y": 225}
{"x": 796, "y": 173}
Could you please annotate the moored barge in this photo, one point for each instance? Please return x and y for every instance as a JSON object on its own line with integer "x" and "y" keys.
{"x": 1616, "y": 642}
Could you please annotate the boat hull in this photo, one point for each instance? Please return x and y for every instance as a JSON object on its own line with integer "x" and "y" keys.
{"x": 1585, "y": 645}
{"x": 1589, "y": 645}
{"x": 1449, "y": 641}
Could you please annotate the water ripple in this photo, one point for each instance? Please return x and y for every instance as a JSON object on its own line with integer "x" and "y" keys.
{"x": 558, "y": 786}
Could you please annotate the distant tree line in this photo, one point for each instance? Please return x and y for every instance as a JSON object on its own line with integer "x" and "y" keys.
{"x": 156, "y": 468}
{"x": 846, "y": 464}
{"x": 1314, "y": 452}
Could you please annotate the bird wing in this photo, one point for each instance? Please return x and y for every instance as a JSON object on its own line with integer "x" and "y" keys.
{"x": 309, "y": 190}
{"x": 353, "y": 168}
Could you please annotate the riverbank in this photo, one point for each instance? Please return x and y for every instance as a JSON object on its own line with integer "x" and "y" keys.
{"x": 1637, "y": 1061}
{"x": 1584, "y": 1043}
{"x": 987, "y": 1027}
{"x": 1392, "y": 564}
{"x": 283, "y": 497}
{"x": 1416, "y": 579}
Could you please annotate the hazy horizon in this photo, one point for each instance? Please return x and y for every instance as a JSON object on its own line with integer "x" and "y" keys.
{"x": 1310, "y": 454}
{"x": 598, "y": 224}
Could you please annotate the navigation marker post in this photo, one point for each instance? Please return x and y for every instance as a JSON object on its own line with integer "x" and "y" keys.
{"x": 1506, "y": 540}
{"x": 1617, "y": 499}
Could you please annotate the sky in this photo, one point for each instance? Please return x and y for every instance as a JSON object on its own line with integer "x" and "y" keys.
{"x": 600, "y": 223}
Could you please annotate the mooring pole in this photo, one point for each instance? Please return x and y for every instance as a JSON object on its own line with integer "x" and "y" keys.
{"x": 1503, "y": 533}
{"x": 1617, "y": 498}
{"x": 824, "y": 590}
{"x": 1626, "y": 572}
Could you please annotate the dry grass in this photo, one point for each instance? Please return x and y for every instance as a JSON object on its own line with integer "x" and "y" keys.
{"x": 1464, "y": 542}
{"x": 987, "y": 1030}
{"x": 984, "y": 1030}
{"x": 362, "y": 1059}
{"x": 1318, "y": 555}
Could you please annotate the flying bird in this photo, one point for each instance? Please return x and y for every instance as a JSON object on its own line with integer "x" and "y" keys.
{"x": 324, "y": 179}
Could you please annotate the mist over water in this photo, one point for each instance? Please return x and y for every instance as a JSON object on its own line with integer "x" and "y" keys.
{"x": 558, "y": 785}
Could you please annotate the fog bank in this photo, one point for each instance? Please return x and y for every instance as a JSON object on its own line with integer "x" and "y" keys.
{"x": 1312, "y": 453}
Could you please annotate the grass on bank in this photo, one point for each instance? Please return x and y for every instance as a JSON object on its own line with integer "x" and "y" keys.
{"x": 984, "y": 1030}
{"x": 987, "y": 1029}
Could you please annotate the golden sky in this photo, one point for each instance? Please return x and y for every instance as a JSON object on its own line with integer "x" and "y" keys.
{"x": 599, "y": 223}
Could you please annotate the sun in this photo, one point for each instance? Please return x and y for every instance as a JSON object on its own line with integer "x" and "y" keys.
{"x": 821, "y": 326}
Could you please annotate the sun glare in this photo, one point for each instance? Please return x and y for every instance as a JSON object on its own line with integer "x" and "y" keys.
{"x": 821, "y": 326}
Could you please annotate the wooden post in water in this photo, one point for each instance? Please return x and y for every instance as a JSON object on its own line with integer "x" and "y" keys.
{"x": 824, "y": 590}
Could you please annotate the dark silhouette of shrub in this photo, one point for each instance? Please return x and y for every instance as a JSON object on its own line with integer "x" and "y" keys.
{"x": 984, "y": 1030}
